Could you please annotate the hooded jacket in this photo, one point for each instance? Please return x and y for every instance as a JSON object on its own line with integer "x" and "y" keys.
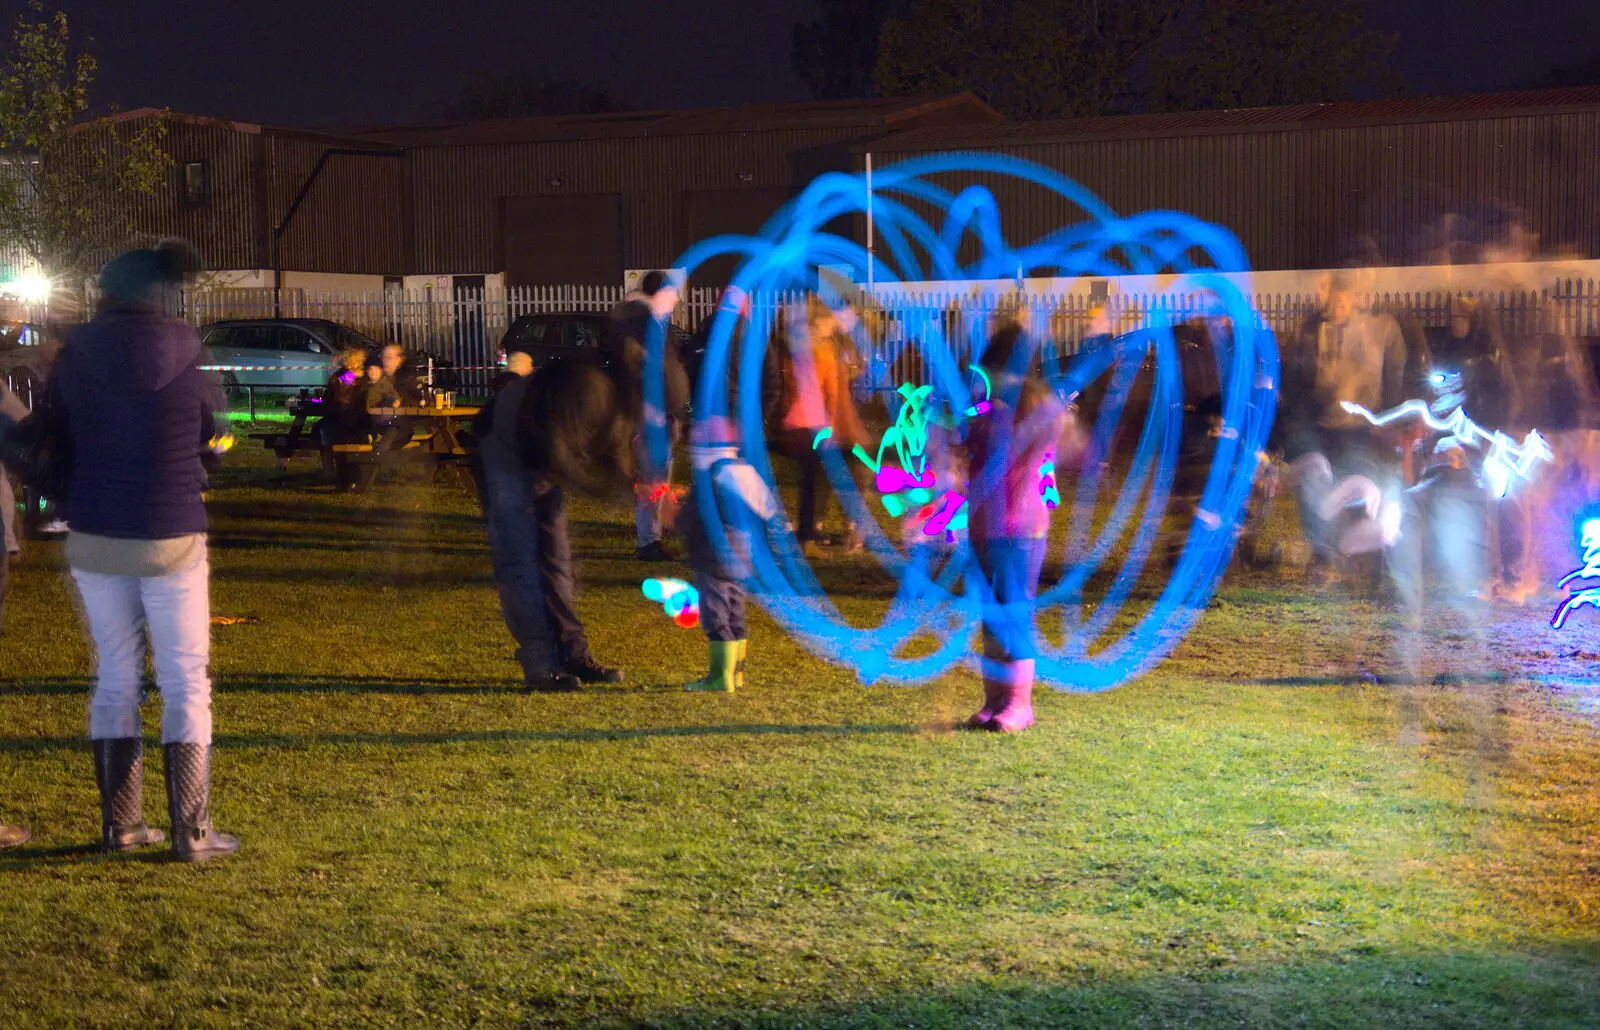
{"x": 140, "y": 412}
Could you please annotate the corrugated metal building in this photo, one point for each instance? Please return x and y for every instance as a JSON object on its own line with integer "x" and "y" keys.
{"x": 232, "y": 181}
{"x": 581, "y": 199}
{"x": 1318, "y": 185}
{"x": 574, "y": 199}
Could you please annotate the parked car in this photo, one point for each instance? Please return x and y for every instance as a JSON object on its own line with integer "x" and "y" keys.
{"x": 292, "y": 342}
{"x": 275, "y": 351}
{"x": 568, "y": 336}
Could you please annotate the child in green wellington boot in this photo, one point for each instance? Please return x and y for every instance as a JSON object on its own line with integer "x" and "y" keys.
{"x": 743, "y": 504}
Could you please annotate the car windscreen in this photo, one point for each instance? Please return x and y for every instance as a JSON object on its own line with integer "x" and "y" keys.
{"x": 532, "y": 332}
{"x": 345, "y": 338}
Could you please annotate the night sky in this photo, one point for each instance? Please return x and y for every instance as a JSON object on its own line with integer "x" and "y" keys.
{"x": 342, "y": 62}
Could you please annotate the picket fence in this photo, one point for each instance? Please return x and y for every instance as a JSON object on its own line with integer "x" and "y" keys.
{"x": 466, "y": 326}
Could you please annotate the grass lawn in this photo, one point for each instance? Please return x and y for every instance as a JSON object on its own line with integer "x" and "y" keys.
{"x": 1251, "y": 836}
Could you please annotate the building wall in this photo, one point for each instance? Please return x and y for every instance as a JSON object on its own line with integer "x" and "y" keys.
{"x": 1319, "y": 197}
{"x": 223, "y": 229}
{"x": 1399, "y": 183}
{"x": 457, "y": 191}
{"x": 1297, "y": 197}
{"x": 315, "y": 282}
{"x": 351, "y": 221}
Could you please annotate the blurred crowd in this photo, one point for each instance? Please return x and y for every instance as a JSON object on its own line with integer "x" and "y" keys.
{"x": 1448, "y": 461}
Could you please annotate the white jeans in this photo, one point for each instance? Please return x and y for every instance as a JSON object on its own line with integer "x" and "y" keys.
{"x": 176, "y": 610}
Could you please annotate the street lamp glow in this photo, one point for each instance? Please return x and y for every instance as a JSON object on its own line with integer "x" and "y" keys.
{"x": 32, "y": 289}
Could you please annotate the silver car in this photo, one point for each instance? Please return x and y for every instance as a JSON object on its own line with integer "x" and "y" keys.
{"x": 280, "y": 353}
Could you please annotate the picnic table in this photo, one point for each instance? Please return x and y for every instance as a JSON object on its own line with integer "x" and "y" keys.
{"x": 287, "y": 445}
{"x": 437, "y": 436}
{"x": 443, "y": 426}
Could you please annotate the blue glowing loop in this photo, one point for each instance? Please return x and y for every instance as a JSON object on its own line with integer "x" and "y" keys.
{"x": 931, "y": 622}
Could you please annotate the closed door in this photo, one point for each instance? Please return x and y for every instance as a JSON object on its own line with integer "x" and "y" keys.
{"x": 741, "y": 212}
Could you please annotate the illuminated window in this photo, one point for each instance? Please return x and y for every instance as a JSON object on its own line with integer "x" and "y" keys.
{"x": 196, "y": 183}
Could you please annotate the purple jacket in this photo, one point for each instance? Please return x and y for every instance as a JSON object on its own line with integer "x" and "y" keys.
{"x": 140, "y": 412}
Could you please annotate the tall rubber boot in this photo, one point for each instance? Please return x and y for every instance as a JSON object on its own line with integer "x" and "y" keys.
{"x": 992, "y": 699}
{"x": 194, "y": 839}
{"x": 1016, "y": 698}
{"x": 738, "y": 666}
{"x": 725, "y": 662}
{"x": 119, "y": 772}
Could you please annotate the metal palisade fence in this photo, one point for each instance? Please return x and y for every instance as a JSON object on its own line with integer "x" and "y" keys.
{"x": 466, "y": 326}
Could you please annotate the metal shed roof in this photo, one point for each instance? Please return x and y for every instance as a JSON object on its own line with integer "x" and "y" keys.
{"x": 882, "y": 113}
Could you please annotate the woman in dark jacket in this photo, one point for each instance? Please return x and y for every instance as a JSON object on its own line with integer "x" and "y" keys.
{"x": 140, "y": 414}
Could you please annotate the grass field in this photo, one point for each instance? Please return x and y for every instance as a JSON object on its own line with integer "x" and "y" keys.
{"x": 1252, "y": 836}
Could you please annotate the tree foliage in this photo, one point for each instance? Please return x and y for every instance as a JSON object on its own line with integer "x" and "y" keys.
{"x": 524, "y": 92}
{"x": 1067, "y": 58}
{"x": 1581, "y": 73}
{"x": 1026, "y": 58}
{"x": 836, "y": 52}
{"x": 69, "y": 186}
{"x": 1260, "y": 53}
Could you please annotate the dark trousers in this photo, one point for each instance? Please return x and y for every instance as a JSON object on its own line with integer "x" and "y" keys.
{"x": 1010, "y": 569}
{"x": 722, "y": 595}
{"x": 514, "y": 547}
{"x": 388, "y": 433}
{"x": 813, "y": 480}
{"x": 815, "y": 486}
{"x": 555, "y": 572}
{"x": 392, "y": 432}
{"x": 722, "y": 611}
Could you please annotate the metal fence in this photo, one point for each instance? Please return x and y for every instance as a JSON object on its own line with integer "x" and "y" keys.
{"x": 466, "y": 326}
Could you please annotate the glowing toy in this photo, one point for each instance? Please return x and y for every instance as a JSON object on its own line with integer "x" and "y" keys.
{"x": 1047, "y": 482}
{"x": 931, "y": 622}
{"x": 1503, "y": 457}
{"x": 983, "y": 407}
{"x": 909, "y": 434}
{"x": 1574, "y": 581}
{"x": 678, "y": 599}
{"x": 653, "y": 494}
{"x": 949, "y": 517}
{"x": 912, "y": 483}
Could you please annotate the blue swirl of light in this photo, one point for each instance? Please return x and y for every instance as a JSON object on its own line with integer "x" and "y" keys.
{"x": 936, "y": 609}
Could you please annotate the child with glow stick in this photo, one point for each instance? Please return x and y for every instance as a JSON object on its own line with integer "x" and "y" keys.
{"x": 1026, "y": 428}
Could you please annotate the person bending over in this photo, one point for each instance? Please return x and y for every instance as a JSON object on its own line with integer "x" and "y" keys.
{"x": 567, "y": 425}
